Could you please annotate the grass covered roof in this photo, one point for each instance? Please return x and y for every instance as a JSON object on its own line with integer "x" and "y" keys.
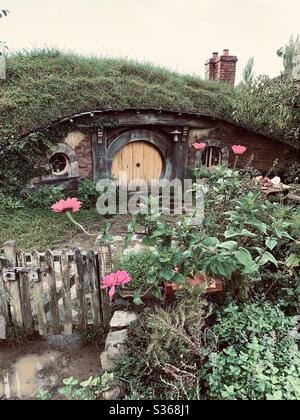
{"x": 44, "y": 86}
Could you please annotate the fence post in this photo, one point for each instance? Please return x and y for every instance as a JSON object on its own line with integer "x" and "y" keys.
{"x": 105, "y": 267}
{"x": 10, "y": 254}
{"x": 3, "y": 305}
{"x": 25, "y": 294}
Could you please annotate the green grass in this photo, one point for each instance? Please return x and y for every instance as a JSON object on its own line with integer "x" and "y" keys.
{"x": 41, "y": 229}
{"x": 45, "y": 85}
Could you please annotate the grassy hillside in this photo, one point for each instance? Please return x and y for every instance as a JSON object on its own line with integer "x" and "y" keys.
{"x": 44, "y": 86}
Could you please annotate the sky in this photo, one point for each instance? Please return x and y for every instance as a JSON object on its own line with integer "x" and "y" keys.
{"x": 177, "y": 34}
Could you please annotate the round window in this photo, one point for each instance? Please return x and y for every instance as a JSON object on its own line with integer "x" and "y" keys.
{"x": 59, "y": 163}
{"x": 211, "y": 157}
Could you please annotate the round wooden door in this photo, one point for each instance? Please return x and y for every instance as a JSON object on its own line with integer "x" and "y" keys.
{"x": 140, "y": 160}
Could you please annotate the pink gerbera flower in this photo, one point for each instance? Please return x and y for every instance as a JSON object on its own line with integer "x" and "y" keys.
{"x": 239, "y": 150}
{"x": 113, "y": 280}
{"x": 199, "y": 146}
{"x": 70, "y": 204}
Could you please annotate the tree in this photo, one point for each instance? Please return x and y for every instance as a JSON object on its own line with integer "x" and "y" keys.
{"x": 248, "y": 74}
{"x": 288, "y": 53}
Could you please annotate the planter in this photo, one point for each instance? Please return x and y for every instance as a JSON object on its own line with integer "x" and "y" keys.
{"x": 214, "y": 285}
{"x": 146, "y": 295}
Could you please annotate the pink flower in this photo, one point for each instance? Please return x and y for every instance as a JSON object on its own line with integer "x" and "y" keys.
{"x": 239, "y": 150}
{"x": 113, "y": 280}
{"x": 70, "y": 204}
{"x": 199, "y": 146}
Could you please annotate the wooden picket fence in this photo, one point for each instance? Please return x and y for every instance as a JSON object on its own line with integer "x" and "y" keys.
{"x": 53, "y": 292}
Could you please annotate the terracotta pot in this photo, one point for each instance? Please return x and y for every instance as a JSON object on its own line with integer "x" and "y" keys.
{"x": 215, "y": 285}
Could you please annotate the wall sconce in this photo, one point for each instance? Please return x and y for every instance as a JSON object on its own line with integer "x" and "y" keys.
{"x": 176, "y": 134}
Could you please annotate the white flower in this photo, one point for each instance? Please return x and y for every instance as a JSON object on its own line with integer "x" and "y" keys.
{"x": 276, "y": 181}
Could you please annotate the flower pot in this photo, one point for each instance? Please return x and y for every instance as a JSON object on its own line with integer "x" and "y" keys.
{"x": 214, "y": 284}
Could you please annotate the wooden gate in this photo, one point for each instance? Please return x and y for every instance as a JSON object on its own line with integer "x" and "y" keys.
{"x": 53, "y": 292}
{"x": 140, "y": 160}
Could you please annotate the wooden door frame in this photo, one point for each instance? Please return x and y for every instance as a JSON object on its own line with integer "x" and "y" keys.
{"x": 174, "y": 154}
{"x": 160, "y": 142}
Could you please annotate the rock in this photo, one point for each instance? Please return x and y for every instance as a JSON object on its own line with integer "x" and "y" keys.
{"x": 122, "y": 319}
{"x": 107, "y": 363}
{"x": 114, "y": 353}
{"x": 133, "y": 250}
{"x": 113, "y": 394}
{"x": 115, "y": 338}
{"x": 2, "y": 328}
{"x": 122, "y": 349}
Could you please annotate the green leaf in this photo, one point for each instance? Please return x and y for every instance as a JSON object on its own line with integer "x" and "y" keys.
{"x": 229, "y": 245}
{"x": 243, "y": 256}
{"x": 292, "y": 261}
{"x": 138, "y": 301}
{"x": 267, "y": 257}
{"x": 271, "y": 243}
{"x": 231, "y": 233}
{"x": 167, "y": 274}
{"x": 262, "y": 227}
{"x": 179, "y": 278}
{"x": 128, "y": 239}
{"x": 87, "y": 383}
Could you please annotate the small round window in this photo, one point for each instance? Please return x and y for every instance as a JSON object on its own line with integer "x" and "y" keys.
{"x": 211, "y": 157}
{"x": 59, "y": 164}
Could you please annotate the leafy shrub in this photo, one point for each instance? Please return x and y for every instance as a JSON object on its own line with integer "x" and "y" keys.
{"x": 292, "y": 174}
{"x": 166, "y": 348}
{"x": 87, "y": 193}
{"x": 237, "y": 325}
{"x": 258, "y": 358}
{"x": 139, "y": 265}
{"x": 254, "y": 373}
{"x": 43, "y": 197}
{"x": 8, "y": 203}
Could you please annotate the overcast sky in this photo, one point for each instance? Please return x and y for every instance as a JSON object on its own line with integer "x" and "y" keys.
{"x": 178, "y": 34}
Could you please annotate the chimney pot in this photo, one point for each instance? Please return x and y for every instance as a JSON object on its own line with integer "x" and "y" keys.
{"x": 221, "y": 68}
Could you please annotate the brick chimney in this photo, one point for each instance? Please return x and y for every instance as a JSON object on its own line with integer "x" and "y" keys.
{"x": 221, "y": 68}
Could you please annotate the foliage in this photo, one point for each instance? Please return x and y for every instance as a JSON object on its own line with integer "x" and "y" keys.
{"x": 87, "y": 193}
{"x": 167, "y": 347}
{"x": 248, "y": 71}
{"x": 43, "y": 395}
{"x": 257, "y": 357}
{"x": 241, "y": 236}
{"x": 139, "y": 266}
{"x": 268, "y": 104}
{"x": 287, "y": 53}
{"x": 253, "y": 373}
{"x": 91, "y": 389}
{"x": 43, "y": 197}
{"x": 292, "y": 174}
{"x": 238, "y": 325}
{"x": 8, "y": 203}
